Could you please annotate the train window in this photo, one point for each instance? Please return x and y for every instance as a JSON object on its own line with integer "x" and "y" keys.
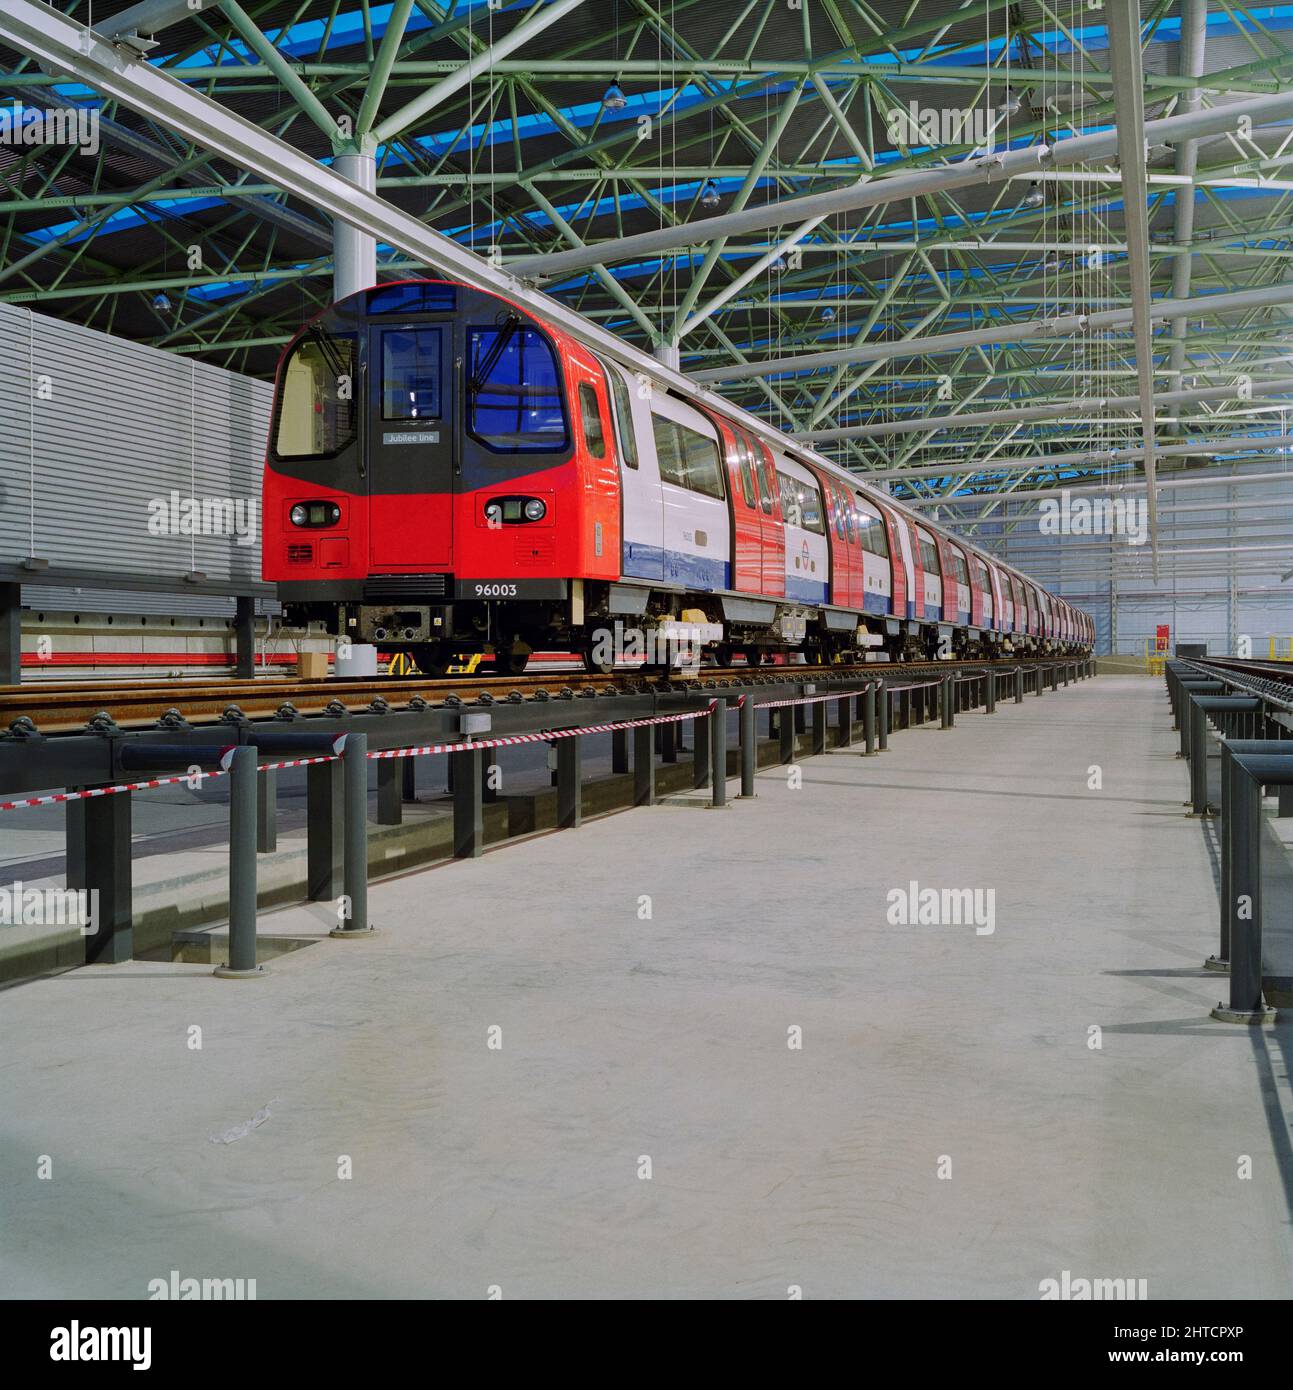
{"x": 514, "y": 391}
{"x": 872, "y": 529}
{"x": 704, "y": 473}
{"x": 316, "y": 402}
{"x": 623, "y": 418}
{"x": 411, "y": 374}
{"x": 594, "y": 434}
{"x": 414, "y": 297}
{"x": 668, "y": 451}
{"x": 962, "y": 569}
{"x": 745, "y": 464}
{"x": 929, "y": 558}
{"x": 763, "y": 472}
{"x": 801, "y": 505}
{"x": 842, "y": 527}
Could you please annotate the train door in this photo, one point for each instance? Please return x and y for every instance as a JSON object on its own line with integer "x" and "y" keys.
{"x": 747, "y": 519}
{"x": 877, "y": 593}
{"x": 409, "y": 451}
{"x": 1001, "y": 604}
{"x": 906, "y": 556}
{"x": 697, "y": 528}
{"x": 642, "y": 525}
{"x": 837, "y": 539}
{"x": 774, "y": 531}
{"x": 932, "y": 564}
{"x": 984, "y": 606}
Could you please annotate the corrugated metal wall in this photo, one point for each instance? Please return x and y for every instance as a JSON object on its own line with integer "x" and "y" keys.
{"x": 1224, "y": 599}
{"x": 94, "y": 429}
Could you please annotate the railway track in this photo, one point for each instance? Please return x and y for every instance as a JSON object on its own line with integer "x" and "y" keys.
{"x": 74, "y": 706}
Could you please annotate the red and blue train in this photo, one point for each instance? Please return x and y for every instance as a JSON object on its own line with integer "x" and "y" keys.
{"x": 447, "y": 472}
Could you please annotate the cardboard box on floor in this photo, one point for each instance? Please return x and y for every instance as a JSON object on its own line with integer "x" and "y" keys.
{"x": 312, "y": 666}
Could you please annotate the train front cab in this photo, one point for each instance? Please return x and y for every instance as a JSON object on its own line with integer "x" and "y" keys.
{"x": 435, "y": 454}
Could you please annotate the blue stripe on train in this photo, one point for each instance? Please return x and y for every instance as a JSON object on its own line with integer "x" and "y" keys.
{"x": 676, "y": 566}
{"x": 875, "y": 603}
{"x": 806, "y": 590}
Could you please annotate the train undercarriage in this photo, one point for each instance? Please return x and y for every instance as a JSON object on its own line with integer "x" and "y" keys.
{"x": 610, "y": 624}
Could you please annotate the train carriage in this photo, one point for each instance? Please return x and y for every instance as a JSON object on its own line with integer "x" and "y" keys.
{"x": 447, "y": 472}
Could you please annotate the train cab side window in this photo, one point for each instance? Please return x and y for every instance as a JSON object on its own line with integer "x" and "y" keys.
{"x": 623, "y": 410}
{"x": 962, "y": 569}
{"x": 316, "y": 407}
{"x": 594, "y": 434}
{"x": 514, "y": 391}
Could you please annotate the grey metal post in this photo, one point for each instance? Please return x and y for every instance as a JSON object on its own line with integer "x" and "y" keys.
{"x": 354, "y": 764}
{"x": 619, "y": 751}
{"x": 668, "y": 745}
{"x": 1041, "y": 681}
{"x": 718, "y": 751}
{"x": 1246, "y": 896}
{"x": 11, "y": 637}
{"x": 786, "y": 725}
{"x": 390, "y": 790}
{"x": 1221, "y": 961}
{"x": 749, "y": 725}
{"x": 882, "y": 708}
{"x": 946, "y": 695}
{"x": 644, "y": 765}
{"x": 244, "y": 626}
{"x": 819, "y": 725}
{"x": 409, "y": 778}
{"x": 74, "y": 840}
{"x": 868, "y": 721}
{"x": 1019, "y": 685}
{"x": 1286, "y": 802}
{"x": 990, "y": 692}
{"x": 267, "y": 811}
{"x": 108, "y": 873}
{"x": 799, "y": 718}
{"x": 904, "y": 709}
{"x": 468, "y": 802}
{"x": 700, "y": 740}
{"x": 323, "y": 814}
{"x": 241, "y": 964}
{"x": 570, "y": 776}
{"x": 844, "y": 720}
{"x": 1198, "y": 760}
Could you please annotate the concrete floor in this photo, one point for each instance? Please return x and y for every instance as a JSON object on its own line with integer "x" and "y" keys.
{"x": 625, "y": 1036}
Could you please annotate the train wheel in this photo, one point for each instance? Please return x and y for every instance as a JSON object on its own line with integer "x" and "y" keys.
{"x": 512, "y": 663}
{"x": 433, "y": 658}
{"x": 754, "y": 656}
{"x": 723, "y": 654}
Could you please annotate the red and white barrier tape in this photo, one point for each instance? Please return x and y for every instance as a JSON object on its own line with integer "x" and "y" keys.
{"x": 815, "y": 699}
{"x": 546, "y": 737}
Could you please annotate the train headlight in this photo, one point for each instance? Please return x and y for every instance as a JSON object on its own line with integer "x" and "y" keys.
{"x": 314, "y": 514}
{"x": 535, "y": 510}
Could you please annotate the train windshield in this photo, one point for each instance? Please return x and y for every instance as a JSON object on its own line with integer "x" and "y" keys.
{"x": 514, "y": 392}
{"x": 316, "y": 405}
